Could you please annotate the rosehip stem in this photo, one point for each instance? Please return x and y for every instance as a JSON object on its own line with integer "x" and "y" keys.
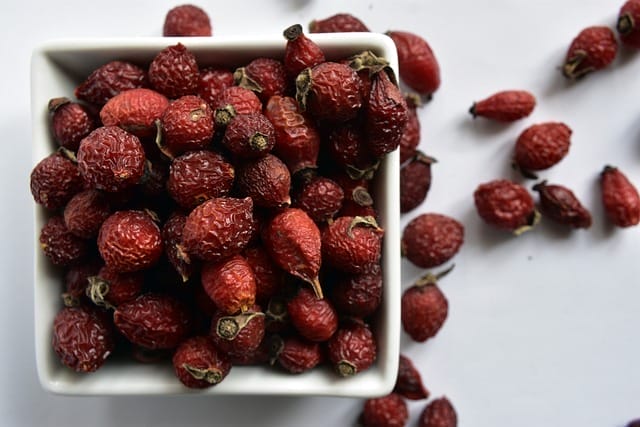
{"x": 431, "y": 278}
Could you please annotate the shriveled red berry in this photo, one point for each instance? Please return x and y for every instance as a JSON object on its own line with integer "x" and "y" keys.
{"x": 593, "y": 49}
{"x": 61, "y": 246}
{"x": 438, "y": 413}
{"x": 218, "y": 228}
{"x": 505, "y": 106}
{"x": 506, "y": 205}
{"x": 542, "y": 145}
{"x": 171, "y": 241}
{"x": 300, "y": 51}
{"x": 269, "y": 278}
{"x": 409, "y": 382}
{"x": 135, "y": 111}
{"x": 431, "y": 239}
{"x": 415, "y": 181}
{"x": 418, "y": 66}
{"x": 424, "y": 309}
{"x": 267, "y": 181}
{"x": 212, "y": 81}
{"x": 174, "y": 72}
{"x": 257, "y": 357}
{"x": 110, "y": 288}
{"x": 297, "y": 139}
{"x": 352, "y": 244}
{"x": 76, "y": 281}
{"x": 296, "y": 354}
{"x": 562, "y": 206}
{"x": 265, "y": 76}
{"x": 411, "y": 135}
{"x": 230, "y": 284}
{"x": 315, "y": 319}
{"x": 197, "y": 176}
{"x": 70, "y": 122}
{"x": 235, "y": 100}
{"x": 321, "y": 198}
{"x": 628, "y": 24}
{"x": 110, "y": 79}
{"x": 249, "y": 136}
{"x": 386, "y": 115}
{"x": 347, "y": 146}
{"x": 199, "y": 364}
{"x": 187, "y": 20}
{"x": 54, "y": 181}
{"x": 358, "y": 295}
{"x": 129, "y": 241}
{"x": 187, "y": 124}
{"x": 85, "y": 213}
{"x": 82, "y": 340}
{"x": 352, "y": 349}
{"x": 386, "y": 411}
{"x": 238, "y": 334}
{"x": 619, "y": 197}
{"x": 338, "y": 23}
{"x": 154, "y": 321}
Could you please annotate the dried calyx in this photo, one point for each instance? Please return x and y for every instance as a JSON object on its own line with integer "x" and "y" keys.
{"x": 229, "y": 327}
{"x": 210, "y": 375}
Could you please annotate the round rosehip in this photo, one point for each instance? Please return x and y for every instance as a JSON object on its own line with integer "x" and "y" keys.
{"x": 315, "y": 319}
{"x": 239, "y": 334}
{"x": 187, "y": 20}
{"x": 85, "y": 213}
{"x": 174, "y": 72}
{"x": 265, "y": 76}
{"x": 386, "y": 411}
{"x": 55, "y": 180}
{"x": 424, "y": 308}
{"x": 187, "y": 124}
{"x": 295, "y": 354}
{"x": 199, "y": 364}
{"x": 110, "y": 79}
{"x": 61, "y": 246}
{"x": 352, "y": 244}
{"x": 352, "y": 349}
{"x": 431, "y": 239}
{"x": 70, "y": 122}
{"x": 505, "y": 205}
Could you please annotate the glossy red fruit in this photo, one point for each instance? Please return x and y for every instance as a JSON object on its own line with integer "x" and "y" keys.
{"x": 431, "y": 239}
{"x": 628, "y": 24}
{"x": 267, "y": 181}
{"x": 174, "y": 72}
{"x": 562, "y": 206}
{"x": 187, "y": 124}
{"x": 300, "y": 51}
{"x": 419, "y": 68}
{"x": 411, "y": 135}
{"x": 386, "y": 115}
{"x": 321, "y": 198}
{"x": 199, "y": 364}
{"x": 594, "y": 48}
{"x": 59, "y": 245}
{"x": 358, "y": 295}
{"x": 108, "y": 288}
{"x": 186, "y": 20}
{"x": 130, "y": 241}
{"x": 352, "y": 244}
{"x": 233, "y": 101}
{"x": 424, "y": 308}
{"x": 249, "y": 136}
{"x": 82, "y": 339}
{"x": 315, "y": 319}
{"x": 409, "y": 382}
{"x": 415, "y": 181}
{"x": 238, "y": 334}
{"x": 352, "y": 349}
{"x": 70, "y": 122}
{"x": 265, "y": 76}
{"x": 110, "y": 79}
{"x": 54, "y": 181}
{"x": 295, "y": 354}
{"x": 505, "y": 106}
{"x": 230, "y": 284}
{"x": 212, "y": 81}
{"x": 438, "y": 413}
{"x": 542, "y": 145}
{"x": 85, "y": 213}
{"x": 338, "y": 23}
{"x": 619, "y": 197}
{"x": 135, "y": 110}
{"x": 386, "y": 411}
{"x": 269, "y": 278}
{"x": 506, "y": 205}
{"x": 154, "y": 321}
{"x": 172, "y": 231}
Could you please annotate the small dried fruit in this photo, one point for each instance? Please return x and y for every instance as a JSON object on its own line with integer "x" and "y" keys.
{"x": 171, "y": 239}
{"x": 187, "y": 20}
{"x": 212, "y": 82}
{"x": 70, "y": 122}
{"x": 561, "y": 205}
{"x": 85, "y": 213}
{"x": 352, "y": 244}
{"x": 541, "y": 146}
{"x": 358, "y": 295}
{"x": 61, "y": 246}
{"x": 594, "y": 48}
{"x": 174, "y": 72}
{"x": 265, "y": 76}
{"x": 269, "y": 278}
{"x": 199, "y": 364}
{"x": 135, "y": 110}
{"x": 76, "y": 280}
{"x": 249, "y": 136}
{"x": 438, "y": 413}
{"x": 321, "y": 198}
{"x": 431, "y": 239}
{"x": 295, "y": 354}
{"x": 110, "y": 79}
{"x": 235, "y": 100}
{"x": 315, "y": 319}
{"x": 411, "y": 135}
{"x": 619, "y": 197}
{"x": 352, "y": 349}
{"x": 386, "y": 411}
{"x": 230, "y": 284}
{"x": 415, "y": 181}
{"x": 239, "y": 334}
{"x": 418, "y": 66}
{"x": 409, "y": 382}
{"x": 187, "y": 124}
{"x": 267, "y": 181}
{"x": 110, "y": 289}
{"x": 424, "y": 308}
{"x": 338, "y": 23}
{"x": 347, "y": 146}
{"x": 300, "y": 51}
{"x": 628, "y": 23}
{"x": 54, "y": 181}
{"x": 505, "y": 106}
{"x": 506, "y": 205}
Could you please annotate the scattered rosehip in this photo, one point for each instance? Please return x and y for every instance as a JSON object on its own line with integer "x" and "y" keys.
{"x": 561, "y": 205}
{"x": 199, "y": 364}
{"x": 431, "y": 239}
{"x": 338, "y": 23}
{"x": 593, "y": 49}
{"x": 541, "y": 146}
{"x": 424, "y": 308}
{"x": 418, "y": 66}
{"x": 619, "y": 197}
{"x": 411, "y": 135}
{"x": 506, "y": 205}
{"x": 415, "y": 181}
{"x": 409, "y": 382}
{"x": 386, "y": 411}
{"x": 187, "y": 20}
{"x": 505, "y": 106}
{"x": 438, "y": 413}
{"x": 627, "y": 25}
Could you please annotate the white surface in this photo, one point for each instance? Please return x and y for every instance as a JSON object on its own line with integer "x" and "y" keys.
{"x": 543, "y": 329}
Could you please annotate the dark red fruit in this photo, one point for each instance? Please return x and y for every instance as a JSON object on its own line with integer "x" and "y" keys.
{"x": 135, "y": 111}
{"x": 267, "y": 181}
{"x": 269, "y": 278}
{"x": 238, "y": 334}
{"x": 76, "y": 281}
{"x": 415, "y": 181}
{"x": 352, "y": 244}
{"x": 153, "y": 321}
{"x": 174, "y": 72}
{"x": 431, "y": 239}
{"x": 199, "y": 364}
{"x": 82, "y": 339}
{"x": 561, "y": 205}
{"x": 386, "y": 411}
{"x": 358, "y": 295}
{"x": 295, "y": 354}
{"x": 594, "y": 48}
{"x": 541, "y": 146}
{"x": 70, "y": 122}
{"x": 352, "y": 349}
{"x": 129, "y": 241}
{"x": 187, "y": 20}
{"x": 438, "y": 413}
{"x": 409, "y": 382}
{"x": 505, "y": 204}
{"x": 628, "y": 24}
{"x": 61, "y": 246}
{"x": 171, "y": 240}
{"x": 347, "y": 146}
{"x": 505, "y": 106}
{"x": 230, "y": 284}
{"x": 85, "y": 213}
{"x": 619, "y": 197}
{"x": 424, "y": 308}
{"x": 110, "y": 289}
{"x": 54, "y": 181}
{"x": 411, "y": 135}
{"x": 249, "y": 136}
{"x": 386, "y": 115}
{"x": 109, "y": 80}
{"x": 338, "y": 23}
{"x": 300, "y": 51}
{"x": 634, "y": 423}
{"x": 233, "y": 101}
{"x": 265, "y": 76}
{"x": 187, "y": 124}
{"x": 212, "y": 81}
{"x": 419, "y": 68}
{"x": 321, "y": 198}
{"x": 315, "y": 319}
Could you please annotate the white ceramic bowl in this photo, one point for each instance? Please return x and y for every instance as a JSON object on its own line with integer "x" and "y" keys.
{"x": 56, "y": 68}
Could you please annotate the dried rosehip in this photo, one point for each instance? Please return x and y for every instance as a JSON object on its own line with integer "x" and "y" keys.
{"x": 76, "y": 281}
{"x": 358, "y": 295}
{"x": 218, "y": 228}
{"x": 187, "y": 20}
{"x": 321, "y": 198}
{"x": 61, "y": 246}
{"x": 619, "y": 197}
{"x": 135, "y": 111}
{"x": 82, "y": 339}
{"x": 438, "y": 413}
{"x": 431, "y": 239}
{"x": 505, "y": 106}
{"x": 171, "y": 240}
{"x": 154, "y": 321}
{"x": 85, "y": 213}
{"x": 265, "y": 76}
{"x": 129, "y": 241}
{"x": 418, "y": 66}
{"x": 386, "y": 115}
{"x": 411, "y": 135}
{"x": 424, "y": 308}
{"x": 212, "y": 81}
{"x": 197, "y": 176}
{"x": 541, "y": 146}
{"x": 415, "y": 181}
{"x": 235, "y": 100}
{"x": 259, "y": 356}
{"x": 561, "y": 205}
{"x": 199, "y": 364}
{"x": 295, "y": 354}
{"x": 627, "y": 25}
{"x": 315, "y": 319}
{"x": 249, "y": 136}
{"x": 347, "y": 146}
{"x": 409, "y": 382}
{"x": 230, "y": 284}
{"x": 267, "y": 181}
{"x": 357, "y": 200}
{"x": 594, "y": 48}
{"x": 352, "y": 244}
{"x": 239, "y": 334}
{"x": 54, "y": 181}
{"x": 506, "y": 205}
{"x": 386, "y": 411}
{"x": 187, "y": 124}
{"x": 174, "y": 72}
{"x": 293, "y": 241}
{"x": 338, "y": 23}
{"x": 70, "y": 122}
{"x": 300, "y": 51}
{"x": 269, "y": 278}
{"x": 109, "y": 80}
{"x": 352, "y": 349}
{"x": 110, "y": 289}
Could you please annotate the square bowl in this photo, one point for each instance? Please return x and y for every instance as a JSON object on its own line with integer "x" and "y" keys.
{"x": 56, "y": 69}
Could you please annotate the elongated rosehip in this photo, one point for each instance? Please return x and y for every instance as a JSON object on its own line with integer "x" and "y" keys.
{"x": 541, "y": 146}
{"x": 628, "y": 24}
{"x": 411, "y": 134}
{"x": 386, "y": 115}
{"x": 230, "y": 284}
{"x": 419, "y": 68}
{"x": 415, "y": 181}
{"x": 424, "y": 308}
{"x": 267, "y": 181}
{"x": 593, "y": 49}
{"x": 199, "y": 364}
{"x": 619, "y": 197}
{"x": 338, "y": 23}
{"x": 352, "y": 244}
{"x": 135, "y": 111}
{"x": 409, "y": 382}
{"x": 507, "y": 205}
{"x": 561, "y": 205}
{"x": 300, "y": 51}
{"x": 505, "y": 106}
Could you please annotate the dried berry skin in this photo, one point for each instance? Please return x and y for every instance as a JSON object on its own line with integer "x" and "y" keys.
{"x": 239, "y": 334}
{"x": 562, "y": 206}
{"x": 386, "y": 411}
{"x": 424, "y": 309}
{"x": 267, "y": 181}
{"x": 619, "y": 197}
{"x": 54, "y": 181}
{"x": 70, "y": 122}
{"x": 269, "y": 278}
{"x": 212, "y": 81}
{"x": 199, "y": 364}
{"x": 338, "y": 23}
{"x": 135, "y": 111}
{"x": 418, "y": 66}
{"x": 409, "y": 382}
{"x": 505, "y": 204}
{"x": 542, "y": 145}
{"x": 85, "y": 213}
{"x": 594, "y": 48}
{"x": 352, "y": 349}
{"x": 300, "y": 51}
{"x": 411, "y": 135}
{"x": 174, "y": 72}
{"x": 110, "y": 79}
{"x": 235, "y": 100}
{"x": 197, "y": 176}
{"x": 110, "y": 288}
{"x": 438, "y": 413}
{"x": 249, "y": 136}
{"x": 265, "y": 76}
{"x": 82, "y": 340}
{"x": 321, "y": 198}
{"x": 431, "y": 239}
{"x": 352, "y": 244}
{"x": 129, "y": 241}
{"x": 314, "y": 319}
{"x": 153, "y": 321}
{"x": 347, "y": 146}
{"x": 230, "y": 284}
{"x": 187, "y": 124}
{"x": 297, "y": 355}
{"x": 627, "y": 25}
{"x": 187, "y": 20}
{"x": 415, "y": 181}
{"x": 358, "y": 295}
{"x": 171, "y": 239}
{"x": 218, "y": 228}
{"x": 75, "y": 282}
{"x": 505, "y": 106}
{"x": 59, "y": 245}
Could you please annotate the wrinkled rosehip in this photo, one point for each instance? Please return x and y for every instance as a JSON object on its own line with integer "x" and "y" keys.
{"x": 295, "y": 354}
{"x": 238, "y": 334}
{"x": 235, "y": 100}
{"x": 561, "y": 205}
{"x": 409, "y": 382}
{"x": 438, "y": 413}
{"x": 321, "y": 198}
{"x": 59, "y": 245}
{"x": 358, "y": 295}
{"x": 628, "y": 24}
{"x": 199, "y": 364}
{"x": 411, "y": 135}
{"x": 187, "y": 20}
{"x": 187, "y": 124}
{"x": 415, "y": 181}
{"x": 431, "y": 239}
{"x": 265, "y": 76}
{"x": 506, "y": 205}
{"x": 352, "y": 349}
{"x": 135, "y": 111}
{"x": 76, "y": 281}
{"x": 212, "y": 81}
{"x": 315, "y": 319}
{"x": 418, "y": 66}
{"x": 54, "y": 181}
{"x": 386, "y": 411}
{"x": 171, "y": 239}
{"x": 300, "y": 51}
{"x": 174, "y": 72}
{"x": 594, "y": 48}
{"x": 249, "y": 136}
{"x": 110, "y": 79}
{"x": 269, "y": 278}
{"x": 267, "y": 181}
{"x": 424, "y": 308}
{"x": 70, "y": 122}
{"x": 109, "y": 288}
{"x": 85, "y": 213}
{"x": 338, "y": 23}
{"x": 230, "y": 284}
{"x": 352, "y": 244}
{"x": 620, "y": 197}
